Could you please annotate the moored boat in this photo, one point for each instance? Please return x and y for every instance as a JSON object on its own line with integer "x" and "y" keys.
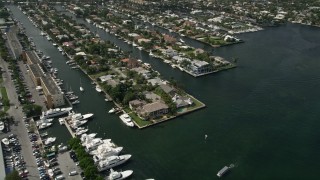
{"x": 112, "y": 161}
{"x": 127, "y": 120}
{"x": 81, "y": 131}
{"x": 61, "y": 121}
{"x": 98, "y": 89}
{"x": 50, "y": 140}
{"x": 55, "y": 112}
{"x": 104, "y": 151}
{"x": 112, "y": 110}
{"x": 115, "y": 175}
{"x": 44, "y": 125}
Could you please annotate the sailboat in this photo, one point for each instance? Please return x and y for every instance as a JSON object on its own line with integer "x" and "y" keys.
{"x": 81, "y": 88}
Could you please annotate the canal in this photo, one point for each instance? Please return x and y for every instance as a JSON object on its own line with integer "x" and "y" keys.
{"x": 262, "y": 116}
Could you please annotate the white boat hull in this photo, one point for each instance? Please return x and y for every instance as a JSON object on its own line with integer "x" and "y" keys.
{"x": 125, "y": 159}
{"x": 119, "y": 175}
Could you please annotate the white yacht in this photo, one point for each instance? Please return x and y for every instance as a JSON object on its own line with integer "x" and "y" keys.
{"x": 81, "y": 131}
{"x": 75, "y": 102}
{"x": 105, "y": 147}
{"x": 98, "y": 89}
{"x": 93, "y": 145}
{"x": 112, "y": 161}
{"x": 81, "y": 88}
{"x": 44, "y": 120}
{"x": 112, "y": 110}
{"x": 50, "y": 140}
{"x": 55, "y": 112}
{"x": 61, "y": 121}
{"x": 84, "y": 137}
{"x": 79, "y": 116}
{"x": 62, "y": 148}
{"x": 44, "y": 125}
{"x": 78, "y": 123}
{"x": 127, "y": 120}
{"x": 104, "y": 151}
{"x": 115, "y": 175}
{"x": 87, "y": 140}
{"x": 60, "y": 49}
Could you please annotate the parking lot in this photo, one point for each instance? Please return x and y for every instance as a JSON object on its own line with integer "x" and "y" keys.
{"x": 18, "y": 128}
{"x": 67, "y": 165}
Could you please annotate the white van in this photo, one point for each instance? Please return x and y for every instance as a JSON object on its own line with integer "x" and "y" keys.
{"x": 60, "y": 177}
{"x": 73, "y": 173}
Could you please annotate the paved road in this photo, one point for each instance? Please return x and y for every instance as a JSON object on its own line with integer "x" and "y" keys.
{"x": 19, "y": 129}
{"x": 13, "y": 41}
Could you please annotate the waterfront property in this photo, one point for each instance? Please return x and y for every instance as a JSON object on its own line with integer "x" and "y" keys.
{"x": 124, "y": 78}
{"x": 153, "y": 110}
{"x": 54, "y": 96}
{"x": 245, "y": 123}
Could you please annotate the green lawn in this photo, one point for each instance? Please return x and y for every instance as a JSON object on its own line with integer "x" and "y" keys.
{"x": 136, "y": 118}
{"x": 5, "y": 97}
{"x": 197, "y": 104}
{"x": 139, "y": 121}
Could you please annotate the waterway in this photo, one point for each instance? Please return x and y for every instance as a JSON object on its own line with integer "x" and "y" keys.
{"x": 263, "y": 116}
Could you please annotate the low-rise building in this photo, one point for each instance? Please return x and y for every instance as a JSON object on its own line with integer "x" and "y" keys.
{"x": 168, "y": 89}
{"x": 106, "y": 78}
{"x": 135, "y": 104}
{"x": 152, "y": 96}
{"x": 182, "y": 101}
{"x": 53, "y": 95}
{"x": 140, "y": 70}
{"x": 32, "y": 57}
{"x": 200, "y": 67}
{"x": 153, "y": 110}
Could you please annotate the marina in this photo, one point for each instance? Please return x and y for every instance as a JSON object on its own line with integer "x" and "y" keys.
{"x": 241, "y": 111}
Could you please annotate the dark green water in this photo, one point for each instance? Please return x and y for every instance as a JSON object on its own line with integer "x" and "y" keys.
{"x": 262, "y": 116}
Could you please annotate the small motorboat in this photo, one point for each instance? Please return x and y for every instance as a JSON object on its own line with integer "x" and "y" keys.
{"x": 112, "y": 110}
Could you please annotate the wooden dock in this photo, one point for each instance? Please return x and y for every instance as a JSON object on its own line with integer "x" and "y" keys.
{"x": 69, "y": 128}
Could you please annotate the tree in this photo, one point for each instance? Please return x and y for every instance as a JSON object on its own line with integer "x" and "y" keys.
{"x": 14, "y": 175}
{"x": 128, "y": 97}
{"x": 4, "y": 14}
{"x": 85, "y": 162}
{"x": 3, "y": 114}
{"x": 6, "y": 102}
{"x": 81, "y": 153}
{"x": 90, "y": 172}
{"x": 32, "y": 110}
{"x": 74, "y": 143}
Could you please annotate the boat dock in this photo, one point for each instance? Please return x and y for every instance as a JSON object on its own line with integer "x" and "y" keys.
{"x": 68, "y": 127}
